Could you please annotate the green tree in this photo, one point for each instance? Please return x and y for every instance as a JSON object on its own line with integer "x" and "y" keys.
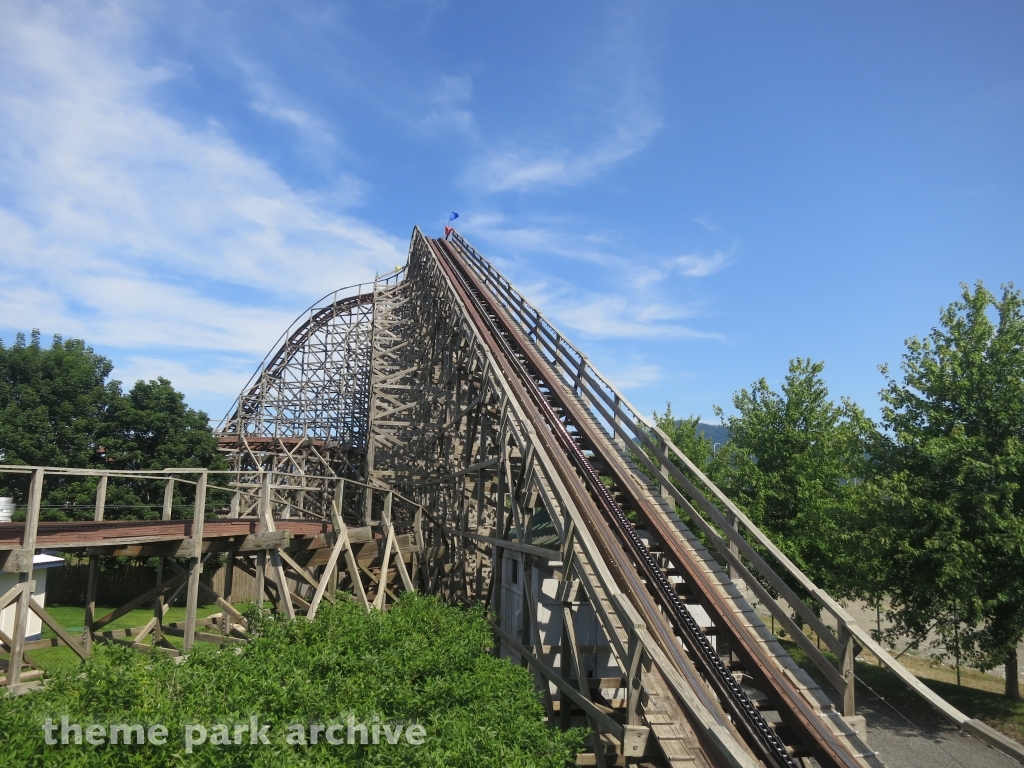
{"x": 951, "y": 482}
{"x": 150, "y": 427}
{"x": 52, "y": 401}
{"x": 794, "y": 464}
{"x": 684, "y": 435}
{"x": 57, "y": 408}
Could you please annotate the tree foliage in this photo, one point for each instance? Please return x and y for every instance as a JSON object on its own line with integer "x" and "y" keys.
{"x": 52, "y": 401}
{"x": 685, "y": 436}
{"x": 794, "y": 465}
{"x": 58, "y": 408}
{"x": 950, "y": 479}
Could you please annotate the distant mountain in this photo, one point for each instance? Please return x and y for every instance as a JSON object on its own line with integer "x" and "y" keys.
{"x": 716, "y": 433}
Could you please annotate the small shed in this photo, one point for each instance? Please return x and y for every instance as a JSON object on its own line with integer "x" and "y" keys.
{"x": 41, "y": 565}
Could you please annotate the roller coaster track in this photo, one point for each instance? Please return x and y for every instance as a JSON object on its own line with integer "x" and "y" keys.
{"x": 614, "y": 569}
{"x": 434, "y": 431}
{"x": 610, "y": 523}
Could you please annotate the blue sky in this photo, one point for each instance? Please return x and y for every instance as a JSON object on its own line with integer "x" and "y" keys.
{"x": 694, "y": 192}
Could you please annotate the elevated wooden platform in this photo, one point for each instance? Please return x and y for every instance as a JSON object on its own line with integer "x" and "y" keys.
{"x": 295, "y": 561}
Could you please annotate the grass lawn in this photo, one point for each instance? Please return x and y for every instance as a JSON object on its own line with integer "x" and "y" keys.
{"x": 72, "y": 618}
{"x": 979, "y": 695}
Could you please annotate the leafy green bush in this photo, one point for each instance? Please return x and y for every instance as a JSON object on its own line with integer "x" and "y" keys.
{"x": 422, "y": 662}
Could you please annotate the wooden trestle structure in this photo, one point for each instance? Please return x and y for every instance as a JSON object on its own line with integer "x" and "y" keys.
{"x": 434, "y": 431}
{"x": 271, "y": 530}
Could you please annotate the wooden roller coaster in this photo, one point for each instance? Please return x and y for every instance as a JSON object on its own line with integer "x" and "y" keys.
{"x": 434, "y": 431}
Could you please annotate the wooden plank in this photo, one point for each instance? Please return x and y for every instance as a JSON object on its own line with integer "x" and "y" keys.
{"x": 195, "y": 568}
{"x": 15, "y": 560}
{"x": 131, "y": 605}
{"x": 340, "y": 545}
{"x": 28, "y": 585}
{"x": 10, "y": 596}
{"x": 58, "y": 629}
{"x": 378, "y": 602}
{"x": 544, "y": 553}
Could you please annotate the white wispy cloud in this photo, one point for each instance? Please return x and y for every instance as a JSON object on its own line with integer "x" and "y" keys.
{"x": 697, "y": 265}
{"x": 449, "y": 107}
{"x": 126, "y": 227}
{"x": 524, "y": 168}
{"x": 621, "y": 315}
{"x": 612, "y": 94}
{"x": 548, "y": 236}
{"x": 269, "y": 100}
{"x": 642, "y": 300}
{"x": 630, "y": 374}
{"x": 209, "y": 383}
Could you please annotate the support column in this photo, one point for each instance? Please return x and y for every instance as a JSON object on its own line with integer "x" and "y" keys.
{"x": 261, "y": 575}
{"x": 158, "y": 603}
{"x": 28, "y": 545}
{"x": 847, "y": 671}
{"x": 165, "y": 514}
{"x": 195, "y": 566}
{"x": 101, "y": 497}
{"x": 93, "y": 573}
{"x": 267, "y": 524}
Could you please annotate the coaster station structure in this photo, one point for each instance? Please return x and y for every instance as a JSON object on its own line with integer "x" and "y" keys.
{"x": 434, "y": 431}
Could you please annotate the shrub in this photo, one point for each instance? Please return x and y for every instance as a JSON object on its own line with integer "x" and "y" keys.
{"x": 422, "y": 662}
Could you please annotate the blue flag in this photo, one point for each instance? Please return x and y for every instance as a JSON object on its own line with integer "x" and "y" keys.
{"x": 452, "y": 216}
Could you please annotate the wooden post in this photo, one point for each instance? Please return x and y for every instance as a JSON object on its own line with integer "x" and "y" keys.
{"x": 337, "y": 508}
{"x": 101, "y": 498}
{"x": 565, "y": 668}
{"x": 195, "y": 566}
{"x": 261, "y": 575}
{"x": 368, "y": 510}
{"x": 267, "y": 525}
{"x": 93, "y": 573}
{"x": 158, "y": 605}
{"x": 661, "y": 459}
{"x": 417, "y": 536}
{"x": 229, "y": 577}
{"x": 847, "y": 671}
{"x": 389, "y": 540}
{"x": 339, "y": 497}
{"x": 90, "y": 602}
{"x": 168, "y": 499}
{"x": 28, "y": 544}
{"x": 734, "y": 523}
{"x": 634, "y": 683}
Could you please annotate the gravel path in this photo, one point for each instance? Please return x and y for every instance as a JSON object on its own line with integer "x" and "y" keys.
{"x": 930, "y": 741}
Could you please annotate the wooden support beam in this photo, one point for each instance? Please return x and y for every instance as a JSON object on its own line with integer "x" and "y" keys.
{"x": 602, "y": 719}
{"x": 267, "y": 524}
{"x": 101, "y": 497}
{"x": 165, "y": 513}
{"x": 57, "y": 629}
{"x": 28, "y": 585}
{"x": 131, "y": 605}
{"x": 195, "y": 566}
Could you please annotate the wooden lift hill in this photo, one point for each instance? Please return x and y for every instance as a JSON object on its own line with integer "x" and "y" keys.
{"x": 433, "y": 431}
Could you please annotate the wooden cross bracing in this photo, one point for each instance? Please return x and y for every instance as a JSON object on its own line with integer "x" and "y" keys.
{"x": 394, "y": 420}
